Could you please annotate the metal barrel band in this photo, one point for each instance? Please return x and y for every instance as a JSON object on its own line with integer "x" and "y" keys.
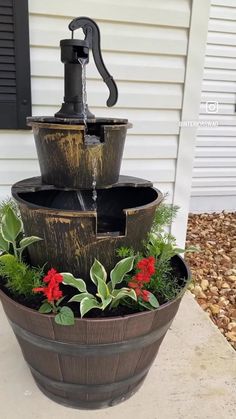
{"x": 88, "y": 388}
{"x": 89, "y": 405}
{"x": 75, "y": 349}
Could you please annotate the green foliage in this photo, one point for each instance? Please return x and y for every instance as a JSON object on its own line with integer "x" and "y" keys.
{"x": 161, "y": 244}
{"x": 11, "y": 226}
{"x": 64, "y": 315}
{"x": 151, "y": 304}
{"x": 88, "y": 304}
{"x": 4, "y": 244}
{"x": 124, "y": 252}
{"x": 98, "y": 271}
{"x": 164, "y": 216}
{"x": 117, "y": 274}
{"x": 161, "y": 247}
{"x": 163, "y": 283}
{"x": 21, "y": 279}
{"x": 5, "y": 205}
{"x": 107, "y": 296}
{"x": 45, "y": 308}
{"x": 11, "y": 232}
{"x": 24, "y": 243}
{"x": 69, "y": 279}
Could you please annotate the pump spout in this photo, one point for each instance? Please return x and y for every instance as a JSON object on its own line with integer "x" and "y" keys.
{"x": 72, "y": 51}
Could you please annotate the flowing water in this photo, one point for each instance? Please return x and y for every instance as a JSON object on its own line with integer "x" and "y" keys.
{"x": 89, "y": 140}
{"x": 94, "y": 184}
{"x": 81, "y": 200}
{"x": 82, "y": 62}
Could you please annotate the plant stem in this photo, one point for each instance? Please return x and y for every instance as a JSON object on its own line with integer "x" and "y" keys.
{"x": 15, "y": 250}
{"x": 54, "y": 308}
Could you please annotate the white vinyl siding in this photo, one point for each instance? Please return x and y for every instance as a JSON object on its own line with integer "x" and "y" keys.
{"x": 144, "y": 46}
{"x": 214, "y": 174}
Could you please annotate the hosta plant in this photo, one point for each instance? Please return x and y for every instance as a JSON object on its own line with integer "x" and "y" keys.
{"x": 11, "y": 234}
{"x": 109, "y": 293}
{"x": 19, "y": 277}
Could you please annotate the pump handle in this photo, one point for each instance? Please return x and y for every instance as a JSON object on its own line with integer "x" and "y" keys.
{"x": 92, "y": 36}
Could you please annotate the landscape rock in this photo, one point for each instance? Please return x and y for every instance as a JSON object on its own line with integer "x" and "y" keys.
{"x": 204, "y": 284}
{"x": 214, "y": 268}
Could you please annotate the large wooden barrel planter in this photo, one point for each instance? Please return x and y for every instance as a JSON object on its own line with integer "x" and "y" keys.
{"x": 69, "y": 158}
{"x": 73, "y": 237}
{"x": 97, "y": 362}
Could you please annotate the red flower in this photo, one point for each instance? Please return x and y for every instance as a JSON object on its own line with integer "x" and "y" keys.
{"x": 147, "y": 269}
{"x": 147, "y": 265}
{"x": 138, "y": 292}
{"x": 52, "y": 290}
{"x": 39, "y": 289}
{"x": 133, "y": 285}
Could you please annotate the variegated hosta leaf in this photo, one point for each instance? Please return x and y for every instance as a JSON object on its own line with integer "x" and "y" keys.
{"x": 153, "y": 301}
{"x": 27, "y": 241}
{"x": 79, "y": 297}
{"x": 151, "y": 304}
{"x": 88, "y": 304}
{"x": 98, "y": 271}
{"x": 4, "y": 244}
{"x": 122, "y": 294}
{"x": 103, "y": 290}
{"x": 11, "y": 226}
{"x": 110, "y": 286}
{"x": 121, "y": 268}
{"x": 69, "y": 279}
{"x": 106, "y": 302}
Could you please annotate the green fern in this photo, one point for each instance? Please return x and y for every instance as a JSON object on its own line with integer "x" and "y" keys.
{"x": 124, "y": 252}
{"x": 20, "y": 278}
{"x": 160, "y": 244}
{"x": 164, "y": 216}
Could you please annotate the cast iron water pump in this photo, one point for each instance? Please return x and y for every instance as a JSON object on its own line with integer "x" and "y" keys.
{"x": 73, "y": 53}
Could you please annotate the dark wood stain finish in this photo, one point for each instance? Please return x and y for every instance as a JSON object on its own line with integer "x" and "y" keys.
{"x": 71, "y": 238}
{"x": 66, "y": 161}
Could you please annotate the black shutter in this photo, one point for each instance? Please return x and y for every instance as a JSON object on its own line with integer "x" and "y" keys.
{"x": 15, "y": 88}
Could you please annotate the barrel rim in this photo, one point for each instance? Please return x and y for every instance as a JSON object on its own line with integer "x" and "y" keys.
{"x": 80, "y": 128}
{"x": 92, "y": 213}
{"x": 75, "y": 123}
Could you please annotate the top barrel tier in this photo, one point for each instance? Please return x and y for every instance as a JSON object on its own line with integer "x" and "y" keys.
{"x": 72, "y": 154}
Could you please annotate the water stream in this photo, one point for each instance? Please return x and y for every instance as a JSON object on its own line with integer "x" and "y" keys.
{"x": 89, "y": 140}
{"x": 94, "y": 184}
{"x": 82, "y": 62}
{"x": 81, "y": 200}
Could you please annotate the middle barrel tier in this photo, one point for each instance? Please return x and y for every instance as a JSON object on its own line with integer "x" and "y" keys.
{"x": 76, "y": 229}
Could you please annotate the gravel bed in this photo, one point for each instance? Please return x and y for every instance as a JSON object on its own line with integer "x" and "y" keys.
{"x": 214, "y": 268}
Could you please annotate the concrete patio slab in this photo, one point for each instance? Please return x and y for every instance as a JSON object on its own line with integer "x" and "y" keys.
{"x": 194, "y": 376}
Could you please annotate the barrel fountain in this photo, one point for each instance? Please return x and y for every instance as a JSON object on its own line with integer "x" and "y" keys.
{"x": 83, "y": 209}
{"x": 80, "y": 202}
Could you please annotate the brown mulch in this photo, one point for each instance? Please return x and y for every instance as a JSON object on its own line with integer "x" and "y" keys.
{"x": 214, "y": 268}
